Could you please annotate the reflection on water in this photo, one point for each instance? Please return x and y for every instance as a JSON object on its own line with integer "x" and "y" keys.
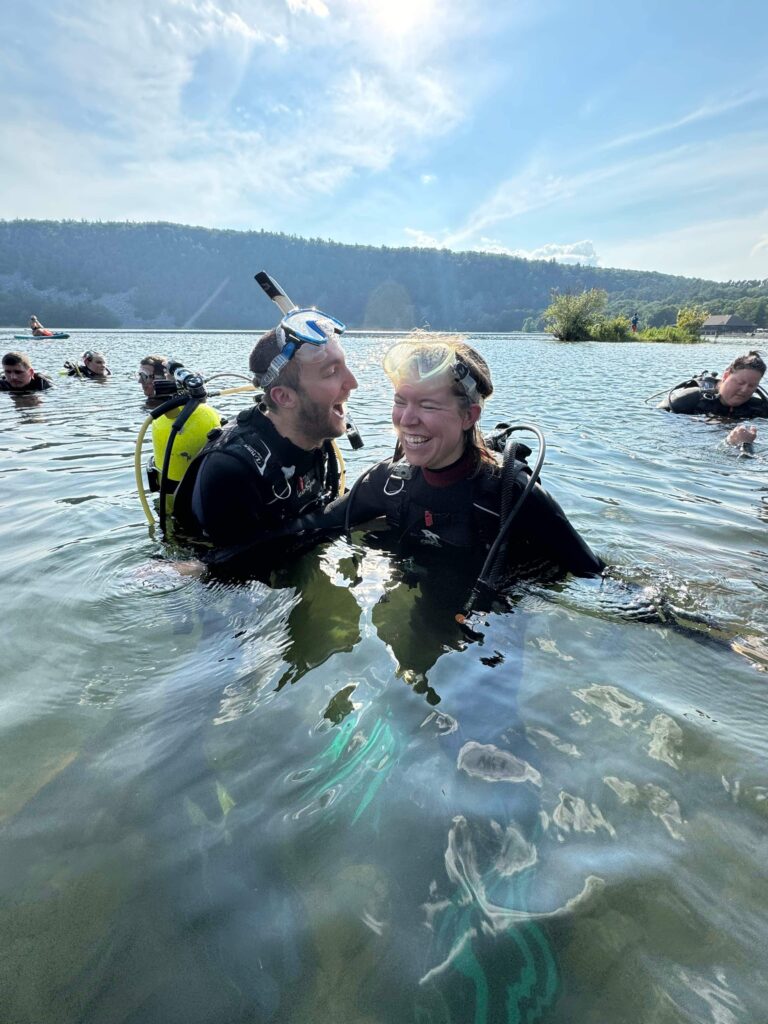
{"x": 321, "y": 800}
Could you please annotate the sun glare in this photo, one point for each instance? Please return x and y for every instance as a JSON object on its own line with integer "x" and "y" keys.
{"x": 400, "y": 17}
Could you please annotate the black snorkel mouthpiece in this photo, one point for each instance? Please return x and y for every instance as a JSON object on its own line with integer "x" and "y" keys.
{"x": 353, "y": 434}
{"x": 273, "y": 291}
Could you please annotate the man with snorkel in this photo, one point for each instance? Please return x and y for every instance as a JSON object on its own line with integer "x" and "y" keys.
{"x": 256, "y": 476}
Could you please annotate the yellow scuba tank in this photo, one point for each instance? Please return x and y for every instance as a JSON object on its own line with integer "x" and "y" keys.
{"x": 188, "y": 441}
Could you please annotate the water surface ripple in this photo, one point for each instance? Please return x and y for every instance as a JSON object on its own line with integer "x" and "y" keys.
{"x": 320, "y": 802}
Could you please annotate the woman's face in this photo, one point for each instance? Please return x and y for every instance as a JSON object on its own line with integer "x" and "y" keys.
{"x": 738, "y": 386}
{"x": 430, "y": 421}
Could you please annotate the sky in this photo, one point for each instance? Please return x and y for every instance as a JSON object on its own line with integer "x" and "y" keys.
{"x": 612, "y": 134}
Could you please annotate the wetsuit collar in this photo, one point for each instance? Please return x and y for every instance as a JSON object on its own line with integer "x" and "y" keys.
{"x": 458, "y": 470}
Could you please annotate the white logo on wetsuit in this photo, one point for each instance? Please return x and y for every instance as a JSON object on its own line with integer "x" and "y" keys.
{"x": 261, "y": 458}
{"x": 431, "y": 539}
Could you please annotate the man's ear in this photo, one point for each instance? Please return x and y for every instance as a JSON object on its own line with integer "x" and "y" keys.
{"x": 283, "y": 396}
{"x": 726, "y": 374}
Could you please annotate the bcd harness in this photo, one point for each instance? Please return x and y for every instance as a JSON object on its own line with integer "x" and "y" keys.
{"x": 286, "y": 494}
{"x": 478, "y": 518}
{"x": 707, "y": 383}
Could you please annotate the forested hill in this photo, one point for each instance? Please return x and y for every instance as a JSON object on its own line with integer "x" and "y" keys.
{"x": 77, "y": 274}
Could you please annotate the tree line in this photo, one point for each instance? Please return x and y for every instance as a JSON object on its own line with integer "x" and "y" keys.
{"x": 83, "y": 274}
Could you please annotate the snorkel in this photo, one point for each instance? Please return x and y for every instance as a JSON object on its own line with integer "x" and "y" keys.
{"x": 297, "y": 328}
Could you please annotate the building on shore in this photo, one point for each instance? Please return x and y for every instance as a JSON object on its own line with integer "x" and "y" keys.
{"x": 731, "y": 324}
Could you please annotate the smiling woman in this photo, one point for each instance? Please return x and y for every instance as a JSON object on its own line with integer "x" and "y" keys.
{"x": 444, "y": 487}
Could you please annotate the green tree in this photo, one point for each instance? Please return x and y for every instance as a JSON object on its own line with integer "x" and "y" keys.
{"x": 573, "y": 317}
{"x": 690, "y": 319}
{"x": 617, "y": 328}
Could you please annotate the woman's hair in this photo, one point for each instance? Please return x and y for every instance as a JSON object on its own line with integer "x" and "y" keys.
{"x": 461, "y": 360}
{"x": 751, "y": 361}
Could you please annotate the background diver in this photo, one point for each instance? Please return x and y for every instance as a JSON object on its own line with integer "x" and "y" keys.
{"x": 20, "y": 377}
{"x": 735, "y": 395}
{"x": 93, "y": 366}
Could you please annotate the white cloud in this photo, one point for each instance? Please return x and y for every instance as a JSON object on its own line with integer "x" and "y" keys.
{"x": 688, "y": 175}
{"x": 316, "y": 7}
{"x": 219, "y": 111}
{"x": 702, "y": 113}
{"x": 720, "y": 250}
{"x": 423, "y": 240}
{"x": 159, "y": 103}
{"x": 428, "y": 179}
{"x": 570, "y": 252}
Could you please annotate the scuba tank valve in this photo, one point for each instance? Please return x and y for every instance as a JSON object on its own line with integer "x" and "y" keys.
{"x": 188, "y": 381}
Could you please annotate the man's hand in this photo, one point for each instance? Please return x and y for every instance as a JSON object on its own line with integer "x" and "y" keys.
{"x": 740, "y": 435}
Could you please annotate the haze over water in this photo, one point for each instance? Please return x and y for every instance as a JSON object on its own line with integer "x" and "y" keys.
{"x": 322, "y": 802}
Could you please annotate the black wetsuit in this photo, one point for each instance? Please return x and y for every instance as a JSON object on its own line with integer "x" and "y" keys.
{"x": 245, "y": 490}
{"x": 695, "y": 400}
{"x": 451, "y": 508}
{"x": 83, "y": 371}
{"x": 38, "y": 383}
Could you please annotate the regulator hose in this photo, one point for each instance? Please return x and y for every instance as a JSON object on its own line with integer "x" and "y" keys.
{"x": 341, "y": 470}
{"x": 137, "y": 472}
{"x": 491, "y": 572}
{"x": 190, "y": 403}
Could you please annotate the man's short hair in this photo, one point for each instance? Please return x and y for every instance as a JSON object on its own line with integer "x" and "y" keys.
{"x": 16, "y": 359}
{"x": 159, "y": 364}
{"x": 264, "y": 351}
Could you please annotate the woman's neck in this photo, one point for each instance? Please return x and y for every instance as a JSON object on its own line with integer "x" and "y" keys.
{"x": 457, "y": 470}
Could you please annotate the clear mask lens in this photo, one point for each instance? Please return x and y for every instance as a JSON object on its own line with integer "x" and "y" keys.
{"x": 427, "y": 362}
{"x": 311, "y": 326}
{"x": 418, "y": 363}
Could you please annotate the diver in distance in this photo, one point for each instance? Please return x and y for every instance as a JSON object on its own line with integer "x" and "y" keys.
{"x": 93, "y": 366}
{"x": 444, "y": 487}
{"x": 735, "y": 395}
{"x": 256, "y": 476}
{"x": 20, "y": 377}
{"x": 180, "y": 429}
{"x": 153, "y": 369}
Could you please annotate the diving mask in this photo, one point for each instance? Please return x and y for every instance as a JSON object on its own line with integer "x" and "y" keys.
{"x": 426, "y": 362}
{"x": 304, "y": 333}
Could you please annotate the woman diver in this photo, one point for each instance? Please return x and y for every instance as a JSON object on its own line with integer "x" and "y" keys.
{"x": 735, "y": 395}
{"x": 444, "y": 487}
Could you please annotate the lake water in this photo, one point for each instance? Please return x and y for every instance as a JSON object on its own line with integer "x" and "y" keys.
{"x": 321, "y": 802}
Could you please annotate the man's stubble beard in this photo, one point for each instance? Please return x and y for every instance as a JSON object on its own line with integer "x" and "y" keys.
{"x": 317, "y": 421}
